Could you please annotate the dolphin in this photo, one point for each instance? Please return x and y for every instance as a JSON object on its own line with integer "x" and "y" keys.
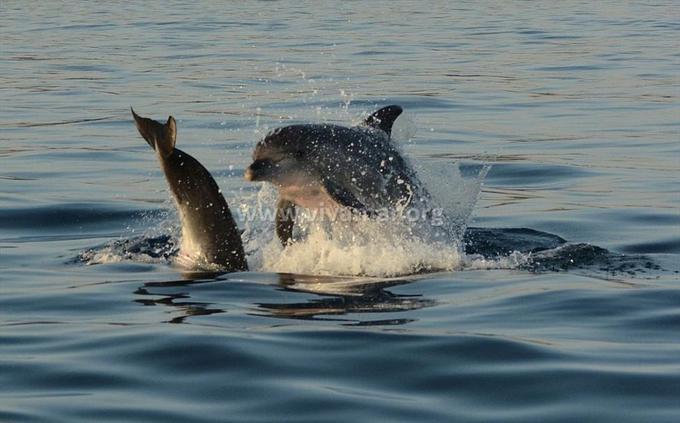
{"x": 209, "y": 234}
{"x": 330, "y": 166}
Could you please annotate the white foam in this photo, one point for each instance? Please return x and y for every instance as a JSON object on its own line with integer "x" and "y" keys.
{"x": 513, "y": 260}
{"x": 374, "y": 249}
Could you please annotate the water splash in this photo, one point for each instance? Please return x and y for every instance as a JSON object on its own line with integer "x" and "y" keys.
{"x": 158, "y": 243}
{"x": 162, "y": 249}
{"x": 373, "y": 247}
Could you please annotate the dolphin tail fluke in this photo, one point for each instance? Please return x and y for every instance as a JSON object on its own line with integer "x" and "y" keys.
{"x": 160, "y": 137}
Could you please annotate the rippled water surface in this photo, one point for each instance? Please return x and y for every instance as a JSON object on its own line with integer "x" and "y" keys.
{"x": 574, "y": 106}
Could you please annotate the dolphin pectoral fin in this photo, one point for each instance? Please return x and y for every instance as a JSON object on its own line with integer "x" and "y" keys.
{"x": 384, "y": 118}
{"x": 343, "y": 197}
{"x": 160, "y": 137}
{"x": 285, "y": 219}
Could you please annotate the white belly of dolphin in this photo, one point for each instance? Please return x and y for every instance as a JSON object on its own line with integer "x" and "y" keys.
{"x": 308, "y": 196}
{"x": 305, "y": 191}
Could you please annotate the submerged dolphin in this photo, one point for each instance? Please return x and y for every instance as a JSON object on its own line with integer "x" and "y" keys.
{"x": 209, "y": 234}
{"x": 323, "y": 165}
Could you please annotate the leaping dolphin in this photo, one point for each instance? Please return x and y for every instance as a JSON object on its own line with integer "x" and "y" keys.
{"x": 209, "y": 234}
{"x": 323, "y": 165}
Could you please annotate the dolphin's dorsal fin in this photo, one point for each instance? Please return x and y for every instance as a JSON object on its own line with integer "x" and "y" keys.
{"x": 161, "y": 138}
{"x": 384, "y": 118}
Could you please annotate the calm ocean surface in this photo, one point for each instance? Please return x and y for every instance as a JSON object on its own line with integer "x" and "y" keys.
{"x": 574, "y": 105}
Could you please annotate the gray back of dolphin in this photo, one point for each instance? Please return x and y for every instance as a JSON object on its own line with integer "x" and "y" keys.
{"x": 209, "y": 233}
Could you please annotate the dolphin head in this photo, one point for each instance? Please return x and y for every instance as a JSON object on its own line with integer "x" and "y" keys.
{"x": 271, "y": 165}
{"x": 279, "y": 154}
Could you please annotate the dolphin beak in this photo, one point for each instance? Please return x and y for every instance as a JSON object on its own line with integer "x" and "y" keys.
{"x": 249, "y": 175}
{"x": 260, "y": 170}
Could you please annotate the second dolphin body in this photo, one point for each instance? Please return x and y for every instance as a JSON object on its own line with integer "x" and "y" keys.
{"x": 209, "y": 234}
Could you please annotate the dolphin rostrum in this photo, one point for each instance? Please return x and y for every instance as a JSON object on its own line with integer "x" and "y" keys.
{"x": 209, "y": 234}
{"x": 328, "y": 166}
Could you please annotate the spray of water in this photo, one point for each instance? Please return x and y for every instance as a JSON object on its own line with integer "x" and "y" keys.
{"x": 400, "y": 245}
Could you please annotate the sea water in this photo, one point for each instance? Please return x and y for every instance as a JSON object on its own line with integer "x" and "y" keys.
{"x": 572, "y": 108}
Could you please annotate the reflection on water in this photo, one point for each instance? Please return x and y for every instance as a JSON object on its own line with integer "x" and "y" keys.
{"x": 339, "y": 297}
{"x": 345, "y": 296}
{"x": 186, "y": 308}
{"x": 180, "y": 301}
